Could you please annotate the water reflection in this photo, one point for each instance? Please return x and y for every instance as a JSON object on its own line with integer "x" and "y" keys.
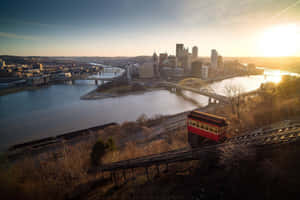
{"x": 275, "y": 76}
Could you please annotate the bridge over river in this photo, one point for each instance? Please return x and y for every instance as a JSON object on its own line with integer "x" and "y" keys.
{"x": 204, "y": 92}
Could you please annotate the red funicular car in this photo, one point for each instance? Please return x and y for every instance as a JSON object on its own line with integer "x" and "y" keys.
{"x": 202, "y": 125}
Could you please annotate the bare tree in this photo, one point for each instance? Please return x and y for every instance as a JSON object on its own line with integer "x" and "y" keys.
{"x": 233, "y": 93}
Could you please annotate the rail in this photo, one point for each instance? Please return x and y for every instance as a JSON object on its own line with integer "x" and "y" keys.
{"x": 262, "y": 138}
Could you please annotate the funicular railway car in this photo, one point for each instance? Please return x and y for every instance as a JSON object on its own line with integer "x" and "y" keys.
{"x": 203, "y": 127}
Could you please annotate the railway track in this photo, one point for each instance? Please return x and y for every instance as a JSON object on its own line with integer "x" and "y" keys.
{"x": 263, "y": 137}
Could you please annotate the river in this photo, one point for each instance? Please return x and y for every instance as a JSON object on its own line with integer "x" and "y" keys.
{"x": 57, "y": 109}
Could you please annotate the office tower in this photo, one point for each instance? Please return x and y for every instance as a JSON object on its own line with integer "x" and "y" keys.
{"x": 195, "y": 52}
{"x": 214, "y": 59}
{"x": 155, "y": 65}
{"x": 179, "y": 50}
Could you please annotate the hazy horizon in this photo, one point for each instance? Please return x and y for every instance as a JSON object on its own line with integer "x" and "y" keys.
{"x": 130, "y": 28}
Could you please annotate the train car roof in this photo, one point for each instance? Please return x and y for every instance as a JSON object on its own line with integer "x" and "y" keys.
{"x": 210, "y": 118}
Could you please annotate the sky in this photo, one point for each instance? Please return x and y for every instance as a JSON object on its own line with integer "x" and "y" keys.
{"x": 140, "y": 27}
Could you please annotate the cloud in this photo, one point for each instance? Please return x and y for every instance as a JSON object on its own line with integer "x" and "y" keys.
{"x": 235, "y": 12}
{"x": 20, "y": 37}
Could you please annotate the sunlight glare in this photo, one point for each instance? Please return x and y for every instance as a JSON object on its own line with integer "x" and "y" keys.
{"x": 281, "y": 40}
{"x": 273, "y": 76}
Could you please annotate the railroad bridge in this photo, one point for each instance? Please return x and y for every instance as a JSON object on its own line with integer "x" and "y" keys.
{"x": 205, "y": 92}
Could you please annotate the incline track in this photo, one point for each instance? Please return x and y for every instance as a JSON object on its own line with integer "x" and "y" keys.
{"x": 263, "y": 137}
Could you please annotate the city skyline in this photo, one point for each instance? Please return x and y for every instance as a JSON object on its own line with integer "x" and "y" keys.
{"x": 134, "y": 28}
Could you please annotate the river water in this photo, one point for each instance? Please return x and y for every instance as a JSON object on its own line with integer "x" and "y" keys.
{"x": 58, "y": 109}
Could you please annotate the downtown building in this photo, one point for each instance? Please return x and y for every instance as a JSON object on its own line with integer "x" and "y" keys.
{"x": 156, "y": 69}
{"x": 199, "y": 70}
{"x": 214, "y": 59}
{"x": 184, "y": 58}
{"x": 195, "y": 53}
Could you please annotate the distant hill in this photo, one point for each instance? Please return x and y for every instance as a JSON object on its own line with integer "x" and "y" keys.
{"x": 291, "y": 64}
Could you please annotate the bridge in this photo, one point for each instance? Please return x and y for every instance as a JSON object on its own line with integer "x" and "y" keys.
{"x": 204, "y": 92}
{"x": 97, "y": 78}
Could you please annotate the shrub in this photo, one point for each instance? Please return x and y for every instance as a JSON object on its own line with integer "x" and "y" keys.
{"x": 98, "y": 152}
{"x": 100, "y": 148}
{"x": 111, "y": 146}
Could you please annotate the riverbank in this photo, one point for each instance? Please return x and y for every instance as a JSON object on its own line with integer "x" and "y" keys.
{"x": 121, "y": 89}
{"x": 12, "y": 90}
{"x": 95, "y": 95}
{"x": 142, "y": 132}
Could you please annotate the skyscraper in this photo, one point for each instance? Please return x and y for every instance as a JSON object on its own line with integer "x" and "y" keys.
{"x": 214, "y": 59}
{"x": 195, "y": 52}
{"x": 179, "y": 50}
{"x": 155, "y": 65}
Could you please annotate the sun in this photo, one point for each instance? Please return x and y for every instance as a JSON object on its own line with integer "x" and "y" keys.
{"x": 280, "y": 40}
